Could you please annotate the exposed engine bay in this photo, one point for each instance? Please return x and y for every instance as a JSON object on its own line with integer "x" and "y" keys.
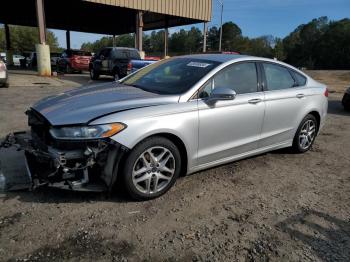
{"x": 80, "y": 165}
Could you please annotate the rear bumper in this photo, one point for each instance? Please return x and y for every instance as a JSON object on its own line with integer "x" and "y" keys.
{"x": 93, "y": 167}
{"x": 80, "y": 66}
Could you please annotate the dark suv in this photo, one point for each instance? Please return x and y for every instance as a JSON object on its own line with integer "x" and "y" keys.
{"x": 113, "y": 61}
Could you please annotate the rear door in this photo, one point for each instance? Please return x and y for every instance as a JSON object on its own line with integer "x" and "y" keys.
{"x": 231, "y": 128}
{"x": 284, "y": 101}
{"x": 105, "y": 57}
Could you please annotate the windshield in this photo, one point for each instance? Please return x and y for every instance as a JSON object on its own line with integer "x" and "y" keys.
{"x": 80, "y": 53}
{"x": 171, "y": 76}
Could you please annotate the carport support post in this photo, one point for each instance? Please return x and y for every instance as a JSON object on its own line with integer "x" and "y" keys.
{"x": 205, "y": 33}
{"x": 113, "y": 40}
{"x": 42, "y": 49}
{"x": 68, "y": 39}
{"x": 139, "y": 33}
{"x": 166, "y": 36}
{"x": 9, "y": 52}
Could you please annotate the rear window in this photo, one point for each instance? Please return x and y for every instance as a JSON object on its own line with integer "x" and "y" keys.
{"x": 301, "y": 80}
{"x": 81, "y": 53}
{"x": 127, "y": 54}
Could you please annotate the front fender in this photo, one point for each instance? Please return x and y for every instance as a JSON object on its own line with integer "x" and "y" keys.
{"x": 176, "y": 119}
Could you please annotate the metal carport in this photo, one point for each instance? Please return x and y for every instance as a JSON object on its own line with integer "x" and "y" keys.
{"x": 111, "y": 17}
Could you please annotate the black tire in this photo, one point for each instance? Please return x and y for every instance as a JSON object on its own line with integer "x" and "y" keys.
{"x": 346, "y": 101}
{"x": 297, "y": 147}
{"x": 93, "y": 74}
{"x": 133, "y": 158}
{"x": 5, "y": 85}
{"x": 68, "y": 69}
{"x": 58, "y": 69}
{"x": 116, "y": 75}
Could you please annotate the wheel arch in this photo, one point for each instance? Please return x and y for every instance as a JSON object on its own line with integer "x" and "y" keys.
{"x": 317, "y": 115}
{"x": 178, "y": 143}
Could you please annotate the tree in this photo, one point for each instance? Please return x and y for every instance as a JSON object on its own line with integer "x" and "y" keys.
{"x": 261, "y": 46}
{"x": 24, "y": 38}
{"x": 302, "y": 43}
{"x": 177, "y": 42}
{"x": 213, "y": 38}
{"x": 333, "y": 50}
{"x": 231, "y": 36}
{"x": 193, "y": 41}
{"x": 126, "y": 40}
{"x": 278, "y": 50}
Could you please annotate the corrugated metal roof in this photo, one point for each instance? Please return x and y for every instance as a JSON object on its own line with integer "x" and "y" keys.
{"x": 194, "y": 9}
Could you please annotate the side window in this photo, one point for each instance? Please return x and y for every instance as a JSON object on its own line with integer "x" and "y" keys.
{"x": 277, "y": 77}
{"x": 241, "y": 77}
{"x": 105, "y": 53}
{"x": 206, "y": 89}
{"x": 301, "y": 80}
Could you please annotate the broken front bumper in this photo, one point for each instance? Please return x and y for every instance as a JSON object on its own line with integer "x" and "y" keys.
{"x": 78, "y": 165}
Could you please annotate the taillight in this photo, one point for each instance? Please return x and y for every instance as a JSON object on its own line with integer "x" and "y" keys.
{"x": 326, "y": 93}
{"x": 129, "y": 66}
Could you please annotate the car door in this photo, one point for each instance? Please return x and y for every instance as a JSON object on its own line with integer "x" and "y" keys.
{"x": 232, "y": 127}
{"x": 284, "y": 101}
{"x": 100, "y": 62}
{"x": 61, "y": 61}
{"x": 105, "y": 60}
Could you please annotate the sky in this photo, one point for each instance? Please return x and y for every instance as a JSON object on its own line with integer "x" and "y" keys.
{"x": 254, "y": 17}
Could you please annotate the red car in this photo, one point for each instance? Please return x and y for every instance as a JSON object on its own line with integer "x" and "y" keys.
{"x": 73, "y": 61}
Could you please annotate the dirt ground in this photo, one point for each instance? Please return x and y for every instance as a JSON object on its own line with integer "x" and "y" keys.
{"x": 275, "y": 207}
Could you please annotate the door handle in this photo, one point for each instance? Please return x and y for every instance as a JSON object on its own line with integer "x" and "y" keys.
{"x": 300, "y": 95}
{"x": 254, "y": 101}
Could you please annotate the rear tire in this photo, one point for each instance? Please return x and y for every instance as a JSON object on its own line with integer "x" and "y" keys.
{"x": 116, "y": 75}
{"x": 151, "y": 168}
{"x": 68, "y": 69}
{"x": 93, "y": 74}
{"x": 5, "y": 85}
{"x": 305, "y": 135}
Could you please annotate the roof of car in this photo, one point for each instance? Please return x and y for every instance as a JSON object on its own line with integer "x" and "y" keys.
{"x": 222, "y": 58}
{"x": 120, "y": 47}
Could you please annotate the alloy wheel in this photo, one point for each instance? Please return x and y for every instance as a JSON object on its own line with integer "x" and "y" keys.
{"x": 153, "y": 170}
{"x": 307, "y": 134}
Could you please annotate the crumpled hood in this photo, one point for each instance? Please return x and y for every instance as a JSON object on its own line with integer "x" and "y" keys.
{"x": 79, "y": 106}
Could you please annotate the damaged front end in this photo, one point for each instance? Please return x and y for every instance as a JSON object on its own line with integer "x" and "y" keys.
{"x": 80, "y": 165}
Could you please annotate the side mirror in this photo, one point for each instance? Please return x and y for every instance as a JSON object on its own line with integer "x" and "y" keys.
{"x": 222, "y": 93}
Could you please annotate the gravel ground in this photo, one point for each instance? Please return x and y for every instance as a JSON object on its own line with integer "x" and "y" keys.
{"x": 274, "y": 207}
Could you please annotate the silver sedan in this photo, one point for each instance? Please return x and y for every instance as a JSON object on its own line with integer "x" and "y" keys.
{"x": 172, "y": 118}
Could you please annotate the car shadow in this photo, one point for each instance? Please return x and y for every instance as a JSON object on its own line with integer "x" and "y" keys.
{"x": 53, "y": 195}
{"x": 335, "y": 107}
{"x": 327, "y": 236}
{"x": 84, "y": 78}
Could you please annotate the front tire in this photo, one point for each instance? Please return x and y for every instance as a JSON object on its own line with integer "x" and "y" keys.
{"x": 305, "y": 135}
{"x": 68, "y": 69}
{"x": 93, "y": 74}
{"x": 151, "y": 168}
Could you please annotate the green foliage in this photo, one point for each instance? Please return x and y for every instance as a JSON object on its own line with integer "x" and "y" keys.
{"x": 123, "y": 40}
{"x": 319, "y": 44}
{"x": 24, "y": 38}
